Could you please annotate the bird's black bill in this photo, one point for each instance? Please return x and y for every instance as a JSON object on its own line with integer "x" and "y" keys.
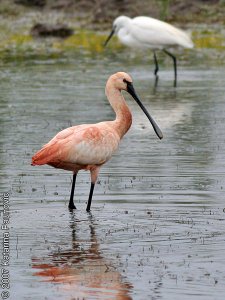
{"x": 109, "y": 37}
{"x": 131, "y": 91}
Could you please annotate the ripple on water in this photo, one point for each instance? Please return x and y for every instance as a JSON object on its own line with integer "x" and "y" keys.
{"x": 157, "y": 224}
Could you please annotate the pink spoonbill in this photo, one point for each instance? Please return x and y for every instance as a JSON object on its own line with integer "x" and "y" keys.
{"x": 89, "y": 146}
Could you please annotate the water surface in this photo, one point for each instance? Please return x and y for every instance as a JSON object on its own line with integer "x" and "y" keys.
{"x": 157, "y": 225}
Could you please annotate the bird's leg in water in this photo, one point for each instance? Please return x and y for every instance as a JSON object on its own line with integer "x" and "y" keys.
{"x": 71, "y": 203}
{"x": 156, "y": 81}
{"x": 90, "y": 197}
{"x": 94, "y": 177}
{"x": 174, "y": 64}
{"x": 156, "y": 65}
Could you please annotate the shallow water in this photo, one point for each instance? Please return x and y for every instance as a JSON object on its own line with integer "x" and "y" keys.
{"x": 157, "y": 224}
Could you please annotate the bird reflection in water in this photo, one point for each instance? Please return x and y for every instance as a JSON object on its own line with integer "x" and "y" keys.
{"x": 82, "y": 270}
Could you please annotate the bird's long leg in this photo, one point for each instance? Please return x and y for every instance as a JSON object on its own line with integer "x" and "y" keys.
{"x": 94, "y": 176}
{"x": 156, "y": 64}
{"x": 71, "y": 203}
{"x": 90, "y": 196}
{"x": 174, "y": 64}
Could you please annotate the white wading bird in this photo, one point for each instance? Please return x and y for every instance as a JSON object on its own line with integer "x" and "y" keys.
{"x": 144, "y": 32}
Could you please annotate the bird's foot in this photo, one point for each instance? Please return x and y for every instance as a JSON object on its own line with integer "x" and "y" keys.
{"x": 72, "y": 207}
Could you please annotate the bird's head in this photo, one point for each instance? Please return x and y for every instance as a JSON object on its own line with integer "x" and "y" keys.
{"x": 123, "y": 81}
{"x": 118, "y": 23}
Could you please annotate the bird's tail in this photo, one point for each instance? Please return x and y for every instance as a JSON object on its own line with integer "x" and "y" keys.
{"x": 185, "y": 40}
{"x": 39, "y": 158}
{"x": 44, "y": 156}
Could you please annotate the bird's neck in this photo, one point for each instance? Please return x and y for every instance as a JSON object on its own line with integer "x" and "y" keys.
{"x": 123, "y": 119}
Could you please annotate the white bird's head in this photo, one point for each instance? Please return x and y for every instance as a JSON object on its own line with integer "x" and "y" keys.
{"x": 123, "y": 81}
{"x": 118, "y": 23}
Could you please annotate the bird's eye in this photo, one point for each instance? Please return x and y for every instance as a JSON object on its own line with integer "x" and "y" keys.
{"x": 126, "y": 81}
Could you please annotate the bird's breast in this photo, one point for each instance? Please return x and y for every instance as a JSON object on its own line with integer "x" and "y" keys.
{"x": 126, "y": 38}
{"x": 95, "y": 147}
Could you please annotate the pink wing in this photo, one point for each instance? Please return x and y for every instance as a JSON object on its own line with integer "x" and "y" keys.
{"x": 83, "y": 145}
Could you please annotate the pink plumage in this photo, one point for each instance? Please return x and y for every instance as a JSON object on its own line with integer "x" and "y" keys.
{"x": 89, "y": 146}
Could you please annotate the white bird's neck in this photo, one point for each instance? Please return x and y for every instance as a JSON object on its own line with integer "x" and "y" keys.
{"x": 123, "y": 119}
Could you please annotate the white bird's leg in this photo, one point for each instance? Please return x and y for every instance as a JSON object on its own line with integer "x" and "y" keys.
{"x": 174, "y": 64}
{"x": 71, "y": 203}
{"x": 156, "y": 64}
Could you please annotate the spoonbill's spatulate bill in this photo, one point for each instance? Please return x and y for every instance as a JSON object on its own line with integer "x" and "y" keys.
{"x": 144, "y": 32}
{"x": 89, "y": 146}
